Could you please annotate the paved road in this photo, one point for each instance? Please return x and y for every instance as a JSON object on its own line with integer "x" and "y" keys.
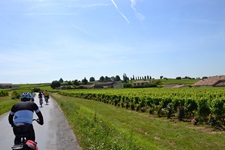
{"x": 55, "y": 134}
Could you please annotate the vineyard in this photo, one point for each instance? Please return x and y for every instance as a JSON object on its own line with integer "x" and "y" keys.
{"x": 136, "y": 118}
{"x": 199, "y": 105}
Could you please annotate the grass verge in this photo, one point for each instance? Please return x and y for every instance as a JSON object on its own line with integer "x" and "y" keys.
{"x": 6, "y": 103}
{"x": 101, "y": 126}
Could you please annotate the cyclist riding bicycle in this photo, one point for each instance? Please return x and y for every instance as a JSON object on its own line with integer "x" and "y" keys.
{"x": 46, "y": 95}
{"x": 40, "y": 96}
{"x": 21, "y": 116}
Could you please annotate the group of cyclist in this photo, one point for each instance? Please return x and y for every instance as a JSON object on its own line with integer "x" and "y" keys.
{"x": 44, "y": 94}
{"x": 21, "y": 116}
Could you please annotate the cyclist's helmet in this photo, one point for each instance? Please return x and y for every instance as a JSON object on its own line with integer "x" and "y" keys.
{"x": 25, "y": 96}
{"x": 31, "y": 95}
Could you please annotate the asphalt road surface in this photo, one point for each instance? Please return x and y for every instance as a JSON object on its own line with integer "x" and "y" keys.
{"x": 55, "y": 134}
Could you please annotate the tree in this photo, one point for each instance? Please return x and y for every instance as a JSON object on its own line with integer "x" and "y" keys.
{"x": 178, "y": 78}
{"x": 84, "y": 81}
{"x": 69, "y": 83}
{"x": 92, "y": 79}
{"x": 145, "y": 77}
{"x": 125, "y": 78}
{"x": 204, "y": 77}
{"x": 61, "y": 80}
{"x": 112, "y": 78}
{"x": 55, "y": 84}
{"x": 157, "y": 82}
{"x": 117, "y": 78}
{"x": 76, "y": 83}
{"x": 102, "y": 79}
{"x": 186, "y": 77}
{"x": 107, "y": 79}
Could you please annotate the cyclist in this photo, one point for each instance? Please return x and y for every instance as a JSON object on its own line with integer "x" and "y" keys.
{"x": 32, "y": 97}
{"x": 21, "y": 116}
{"x": 46, "y": 95}
{"x": 40, "y": 96}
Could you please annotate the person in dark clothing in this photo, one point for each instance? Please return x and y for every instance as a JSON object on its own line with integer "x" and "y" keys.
{"x": 40, "y": 96}
{"x": 21, "y": 117}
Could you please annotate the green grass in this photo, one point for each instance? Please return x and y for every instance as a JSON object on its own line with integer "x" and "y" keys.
{"x": 6, "y": 103}
{"x": 102, "y": 126}
{"x": 30, "y": 87}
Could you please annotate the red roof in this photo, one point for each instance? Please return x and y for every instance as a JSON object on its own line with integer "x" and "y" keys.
{"x": 211, "y": 81}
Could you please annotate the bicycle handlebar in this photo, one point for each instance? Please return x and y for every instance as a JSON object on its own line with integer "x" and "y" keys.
{"x": 37, "y": 120}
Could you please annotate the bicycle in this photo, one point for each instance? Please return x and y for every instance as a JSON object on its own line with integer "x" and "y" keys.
{"x": 46, "y": 99}
{"x": 26, "y": 144}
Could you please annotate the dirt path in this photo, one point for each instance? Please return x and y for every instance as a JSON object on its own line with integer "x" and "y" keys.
{"x": 55, "y": 134}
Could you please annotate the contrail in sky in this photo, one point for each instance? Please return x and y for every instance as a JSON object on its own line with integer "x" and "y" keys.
{"x": 133, "y": 2}
{"x": 120, "y": 11}
{"x": 82, "y": 30}
{"x": 139, "y": 15}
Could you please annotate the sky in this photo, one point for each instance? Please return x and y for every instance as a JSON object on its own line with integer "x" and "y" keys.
{"x": 45, "y": 40}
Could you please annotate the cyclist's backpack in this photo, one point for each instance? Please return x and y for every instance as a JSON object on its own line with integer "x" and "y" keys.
{"x": 31, "y": 145}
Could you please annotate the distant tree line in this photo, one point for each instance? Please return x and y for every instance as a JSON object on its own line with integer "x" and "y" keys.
{"x": 125, "y": 79}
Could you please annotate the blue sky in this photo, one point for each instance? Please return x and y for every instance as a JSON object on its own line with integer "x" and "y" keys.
{"x": 45, "y": 40}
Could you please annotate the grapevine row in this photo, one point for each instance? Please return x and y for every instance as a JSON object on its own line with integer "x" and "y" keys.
{"x": 202, "y": 104}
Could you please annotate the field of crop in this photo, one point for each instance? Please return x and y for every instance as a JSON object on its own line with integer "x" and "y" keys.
{"x": 200, "y": 104}
{"x": 101, "y": 126}
{"x": 143, "y": 118}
